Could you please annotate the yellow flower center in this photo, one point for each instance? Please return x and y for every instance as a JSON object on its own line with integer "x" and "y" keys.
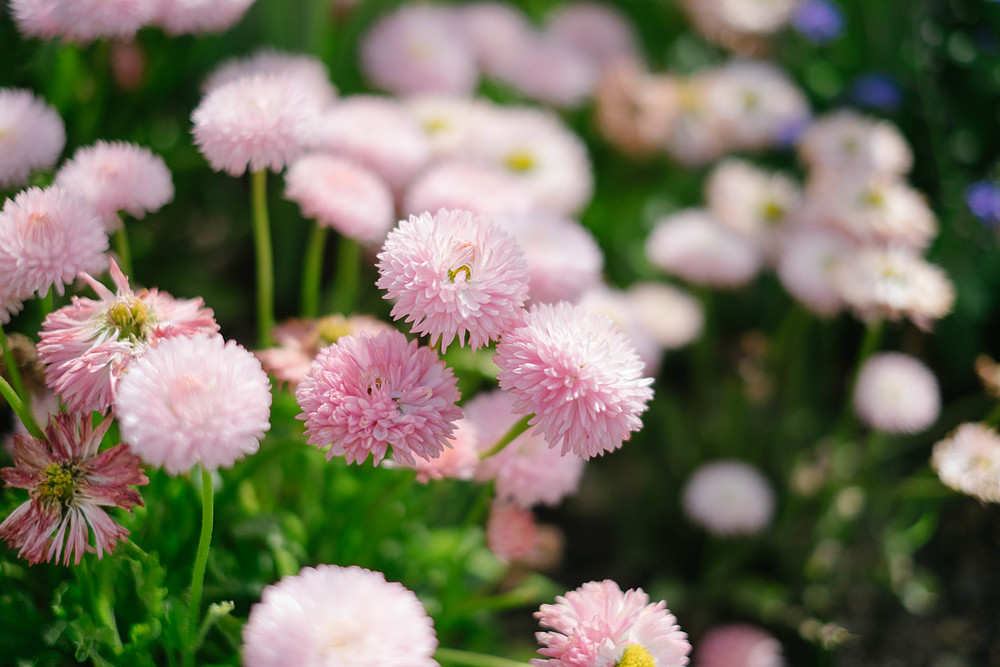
{"x": 435, "y": 125}
{"x": 332, "y": 328}
{"x": 636, "y": 656}
{"x": 520, "y": 161}
{"x": 59, "y": 484}
{"x": 773, "y": 212}
{"x": 130, "y": 317}
{"x": 872, "y": 198}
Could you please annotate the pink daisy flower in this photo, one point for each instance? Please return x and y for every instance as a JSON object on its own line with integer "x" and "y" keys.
{"x": 600, "y": 31}
{"x": 117, "y": 176}
{"x": 729, "y": 498}
{"x": 553, "y": 72}
{"x": 47, "y": 237}
{"x": 88, "y": 345}
{"x": 807, "y": 267}
{"x": 308, "y": 73}
{"x": 262, "y": 121}
{"x": 459, "y": 184}
{"x": 366, "y": 393}
{"x": 527, "y": 471}
{"x": 447, "y": 120}
{"x": 82, "y": 20}
{"x": 635, "y": 110}
{"x": 847, "y": 142}
{"x": 511, "y": 531}
{"x": 197, "y": 16}
{"x": 37, "y": 18}
{"x": 617, "y": 307}
{"x": 459, "y": 458}
{"x": 896, "y": 393}
{"x": 497, "y": 32}
{"x": 968, "y": 461}
{"x": 341, "y": 194}
{"x": 738, "y": 645}
{"x": 345, "y": 616}
{"x": 191, "y": 400}
{"x": 32, "y": 136}
{"x": 70, "y": 483}
{"x": 577, "y": 374}
{"x": 668, "y": 315}
{"x": 453, "y": 275}
{"x": 598, "y": 625}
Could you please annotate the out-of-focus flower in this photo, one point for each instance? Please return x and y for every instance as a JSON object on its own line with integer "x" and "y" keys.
{"x": 614, "y": 304}
{"x": 983, "y": 199}
{"x": 458, "y": 459}
{"x": 668, "y": 315}
{"x": 807, "y": 267}
{"x": 739, "y": 25}
{"x": 117, "y": 176}
{"x": 82, "y": 20}
{"x": 577, "y": 374}
{"x": 482, "y": 189}
{"x": 454, "y": 275}
{"x": 878, "y": 91}
{"x": 447, "y": 120}
{"x": 635, "y": 110}
{"x": 497, "y": 31}
{"x": 552, "y": 72}
{"x": 752, "y": 201}
{"x": 364, "y": 394}
{"x": 32, "y": 136}
{"x": 511, "y": 531}
{"x": 420, "y": 49}
{"x": 88, "y": 345}
{"x": 597, "y": 30}
{"x": 128, "y": 64}
{"x": 698, "y": 133}
{"x": 332, "y": 615}
{"x": 729, "y": 498}
{"x": 70, "y": 483}
{"x": 988, "y": 371}
{"x": 738, "y": 645}
{"x": 820, "y": 21}
{"x": 846, "y": 142}
{"x": 341, "y": 194}
{"x": 307, "y": 73}
{"x": 197, "y": 16}
{"x": 191, "y": 400}
{"x": 896, "y": 393}
{"x": 597, "y": 625}
{"x": 968, "y": 461}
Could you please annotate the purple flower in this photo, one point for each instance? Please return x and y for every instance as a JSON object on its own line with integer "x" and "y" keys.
{"x": 877, "y": 90}
{"x": 983, "y": 199}
{"x": 819, "y": 21}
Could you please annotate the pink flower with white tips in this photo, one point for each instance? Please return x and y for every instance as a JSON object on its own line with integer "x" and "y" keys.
{"x": 88, "y": 345}
{"x": 70, "y": 483}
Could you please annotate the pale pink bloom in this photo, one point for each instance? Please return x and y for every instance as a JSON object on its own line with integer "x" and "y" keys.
{"x": 460, "y": 184}
{"x": 198, "y": 16}
{"x": 497, "y": 31}
{"x": 535, "y": 146}
{"x": 341, "y": 194}
{"x": 82, "y": 20}
{"x": 332, "y": 616}
{"x": 553, "y": 72}
{"x": 32, "y": 136}
{"x": 668, "y": 315}
{"x": 308, "y": 73}
{"x": 635, "y": 110}
{"x": 894, "y": 283}
{"x": 117, "y": 176}
{"x": 364, "y": 394}
{"x": 527, "y": 471}
{"x": 598, "y": 625}
{"x": 191, "y": 400}
{"x": 511, "y": 531}
{"x": 69, "y": 483}
{"x": 459, "y": 458}
{"x": 738, "y": 645}
{"x": 37, "y": 18}
{"x": 695, "y": 246}
{"x": 563, "y": 257}
{"x": 47, "y": 237}
{"x": 420, "y": 49}
{"x": 968, "y": 461}
{"x": 454, "y": 275}
{"x": 299, "y": 341}
{"x": 261, "y": 121}
{"x": 846, "y": 142}
{"x": 697, "y": 133}
{"x": 729, "y": 498}
{"x": 379, "y": 133}
{"x": 577, "y": 375}
{"x": 751, "y": 201}
{"x": 737, "y": 24}
{"x": 88, "y": 345}
{"x": 447, "y": 120}
{"x": 807, "y": 267}
{"x": 600, "y": 31}
{"x": 896, "y": 393}
{"x": 616, "y": 306}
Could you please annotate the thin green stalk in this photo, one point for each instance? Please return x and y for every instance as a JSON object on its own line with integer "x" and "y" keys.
{"x": 517, "y": 429}
{"x": 312, "y": 271}
{"x": 20, "y": 409}
{"x": 456, "y": 657}
{"x": 46, "y": 304}
{"x": 265, "y": 258}
{"x": 200, "y": 564}
{"x": 123, "y": 249}
{"x": 345, "y": 289}
{"x": 12, "y": 370}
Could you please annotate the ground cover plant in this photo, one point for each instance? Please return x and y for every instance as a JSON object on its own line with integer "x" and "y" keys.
{"x": 630, "y": 334}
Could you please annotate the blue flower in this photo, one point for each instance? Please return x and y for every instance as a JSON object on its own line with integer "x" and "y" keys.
{"x": 819, "y": 20}
{"x": 878, "y": 91}
{"x": 983, "y": 199}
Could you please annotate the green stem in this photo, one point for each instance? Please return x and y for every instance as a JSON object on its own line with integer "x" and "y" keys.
{"x": 312, "y": 271}
{"x": 265, "y": 259}
{"x": 13, "y": 371}
{"x": 456, "y": 657}
{"x": 46, "y": 304}
{"x": 870, "y": 343}
{"x": 22, "y": 412}
{"x": 200, "y": 564}
{"x": 345, "y": 288}
{"x": 993, "y": 419}
{"x": 517, "y": 429}
{"x": 124, "y": 250}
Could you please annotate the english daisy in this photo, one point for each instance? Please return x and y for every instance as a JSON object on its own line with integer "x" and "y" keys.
{"x": 968, "y": 461}
{"x": 738, "y": 645}
{"x": 32, "y": 136}
{"x": 729, "y": 498}
{"x": 897, "y": 393}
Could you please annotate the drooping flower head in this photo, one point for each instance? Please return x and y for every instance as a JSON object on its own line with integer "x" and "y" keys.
{"x": 896, "y": 393}
{"x": 88, "y": 345}
{"x": 32, "y": 136}
{"x": 577, "y": 374}
{"x": 729, "y": 498}
{"x": 191, "y": 400}
{"x": 738, "y": 645}
{"x": 70, "y": 483}
{"x": 598, "y": 625}
{"x": 968, "y": 461}
{"x": 366, "y": 393}
{"x": 454, "y": 275}
{"x": 343, "y": 616}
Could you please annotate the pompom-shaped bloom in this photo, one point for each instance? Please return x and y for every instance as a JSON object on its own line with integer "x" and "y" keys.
{"x": 330, "y": 616}
{"x": 88, "y": 345}
{"x": 577, "y": 374}
{"x": 897, "y": 393}
{"x": 47, "y": 237}
{"x": 420, "y": 49}
{"x": 454, "y": 275}
{"x": 614, "y": 304}
{"x": 598, "y": 625}
{"x": 470, "y": 186}
{"x": 197, "y": 16}
{"x": 342, "y": 195}
{"x": 366, "y": 393}
{"x": 32, "y": 136}
{"x": 307, "y": 73}
{"x": 262, "y": 121}
{"x": 70, "y": 483}
{"x": 738, "y": 645}
{"x": 729, "y": 498}
{"x": 83, "y": 20}
{"x": 117, "y": 176}
{"x": 968, "y": 461}
{"x": 194, "y": 399}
